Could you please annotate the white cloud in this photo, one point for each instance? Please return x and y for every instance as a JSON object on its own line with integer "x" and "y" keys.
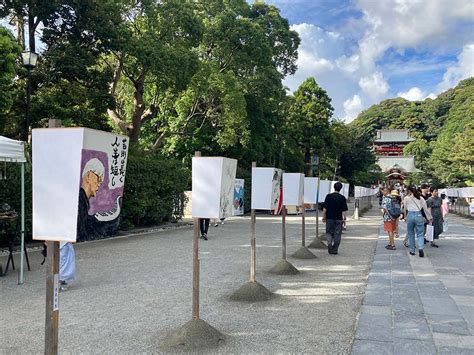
{"x": 411, "y": 23}
{"x": 464, "y": 68}
{"x": 414, "y": 94}
{"x": 374, "y": 85}
{"x": 352, "y": 107}
{"x": 349, "y": 66}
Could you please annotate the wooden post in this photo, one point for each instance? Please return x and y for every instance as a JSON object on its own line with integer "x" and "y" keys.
{"x": 253, "y": 243}
{"x": 317, "y": 204}
{"x": 253, "y": 248}
{"x": 196, "y": 264}
{"x": 52, "y": 289}
{"x": 283, "y": 232}
{"x": 303, "y": 229}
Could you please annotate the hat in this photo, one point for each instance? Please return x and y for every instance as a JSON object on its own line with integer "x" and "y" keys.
{"x": 394, "y": 193}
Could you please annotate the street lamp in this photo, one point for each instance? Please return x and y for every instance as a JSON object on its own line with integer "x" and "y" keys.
{"x": 28, "y": 59}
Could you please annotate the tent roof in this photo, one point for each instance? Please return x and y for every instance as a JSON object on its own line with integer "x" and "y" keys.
{"x": 12, "y": 150}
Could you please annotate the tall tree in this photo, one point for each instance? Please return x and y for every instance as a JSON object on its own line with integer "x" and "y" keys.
{"x": 9, "y": 52}
{"x": 30, "y": 12}
{"x": 308, "y": 121}
{"x": 155, "y": 58}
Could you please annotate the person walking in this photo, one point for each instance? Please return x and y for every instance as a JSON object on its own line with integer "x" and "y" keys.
{"x": 445, "y": 205}
{"x": 67, "y": 265}
{"x": 389, "y": 223}
{"x": 413, "y": 205}
{"x": 334, "y": 215}
{"x": 425, "y": 193}
{"x": 397, "y": 199}
{"x": 204, "y": 227}
{"x": 434, "y": 204}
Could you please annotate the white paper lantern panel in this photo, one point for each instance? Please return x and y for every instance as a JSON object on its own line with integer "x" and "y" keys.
{"x": 238, "y": 202}
{"x": 293, "y": 189}
{"x": 213, "y": 186}
{"x": 310, "y": 190}
{"x": 78, "y": 182}
{"x": 345, "y": 192}
{"x": 324, "y": 190}
{"x": 468, "y": 192}
{"x": 266, "y": 183}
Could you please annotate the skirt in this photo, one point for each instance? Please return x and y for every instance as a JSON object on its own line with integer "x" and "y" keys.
{"x": 390, "y": 226}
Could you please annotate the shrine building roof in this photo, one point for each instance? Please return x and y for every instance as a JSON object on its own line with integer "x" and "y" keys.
{"x": 393, "y": 135}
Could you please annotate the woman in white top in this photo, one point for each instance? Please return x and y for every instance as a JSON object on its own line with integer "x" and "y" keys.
{"x": 413, "y": 206}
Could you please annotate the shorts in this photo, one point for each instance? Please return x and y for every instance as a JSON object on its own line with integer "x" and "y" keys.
{"x": 390, "y": 226}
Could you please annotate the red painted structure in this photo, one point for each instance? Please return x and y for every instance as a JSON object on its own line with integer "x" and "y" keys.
{"x": 388, "y": 146}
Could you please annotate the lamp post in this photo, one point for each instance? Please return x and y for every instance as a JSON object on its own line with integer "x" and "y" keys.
{"x": 29, "y": 62}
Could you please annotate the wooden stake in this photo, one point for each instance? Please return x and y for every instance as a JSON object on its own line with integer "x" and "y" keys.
{"x": 196, "y": 264}
{"x": 52, "y": 301}
{"x": 253, "y": 248}
{"x": 196, "y": 269}
{"x": 303, "y": 227}
{"x": 317, "y": 204}
{"x": 253, "y": 243}
{"x": 52, "y": 289}
{"x": 283, "y": 232}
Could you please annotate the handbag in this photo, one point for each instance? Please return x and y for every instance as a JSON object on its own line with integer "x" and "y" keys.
{"x": 445, "y": 225}
{"x": 421, "y": 210}
{"x": 429, "y": 233}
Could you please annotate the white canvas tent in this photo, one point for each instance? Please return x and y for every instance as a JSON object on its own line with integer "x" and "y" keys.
{"x": 12, "y": 151}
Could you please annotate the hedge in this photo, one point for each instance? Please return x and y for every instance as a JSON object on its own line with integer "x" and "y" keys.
{"x": 154, "y": 191}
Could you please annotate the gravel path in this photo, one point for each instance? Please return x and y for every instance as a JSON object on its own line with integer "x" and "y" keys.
{"x": 131, "y": 291}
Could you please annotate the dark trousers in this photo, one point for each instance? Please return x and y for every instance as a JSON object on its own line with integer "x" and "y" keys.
{"x": 333, "y": 234}
{"x": 204, "y": 225}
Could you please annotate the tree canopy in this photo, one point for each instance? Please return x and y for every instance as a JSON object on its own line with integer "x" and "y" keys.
{"x": 184, "y": 75}
{"x": 442, "y": 129}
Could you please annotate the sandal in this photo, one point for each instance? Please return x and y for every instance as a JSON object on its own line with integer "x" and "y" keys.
{"x": 434, "y": 245}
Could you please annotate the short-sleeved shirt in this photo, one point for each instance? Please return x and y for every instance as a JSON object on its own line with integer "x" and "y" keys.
{"x": 387, "y": 204}
{"x": 335, "y": 204}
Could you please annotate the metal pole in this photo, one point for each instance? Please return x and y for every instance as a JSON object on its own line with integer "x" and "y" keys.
{"x": 253, "y": 243}
{"x": 28, "y": 106}
{"x": 196, "y": 266}
{"x": 52, "y": 289}
{"x": 22, "y": 246}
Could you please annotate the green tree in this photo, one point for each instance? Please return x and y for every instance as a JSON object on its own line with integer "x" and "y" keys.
{"x": 308, "y": 121}
{"x": 155, "y": 59}
{"x": 9, "y": 52}
{"x": 463, "y": 149}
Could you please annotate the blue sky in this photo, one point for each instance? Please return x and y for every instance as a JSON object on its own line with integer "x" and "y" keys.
{"x": 364, "y": 51}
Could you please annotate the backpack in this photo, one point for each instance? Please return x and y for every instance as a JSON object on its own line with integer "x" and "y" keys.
{"x": 395, "y": 210}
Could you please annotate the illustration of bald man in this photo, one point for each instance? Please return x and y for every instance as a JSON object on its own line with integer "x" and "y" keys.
{"x": 88, "y": 227}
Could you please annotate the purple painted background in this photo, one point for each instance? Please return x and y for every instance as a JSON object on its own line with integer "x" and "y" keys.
{"x": 105, "y": 198}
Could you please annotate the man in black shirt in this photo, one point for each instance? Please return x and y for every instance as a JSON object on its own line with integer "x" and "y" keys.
{"x": 425, "y": 193}
{"x": 334, "y": 214}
